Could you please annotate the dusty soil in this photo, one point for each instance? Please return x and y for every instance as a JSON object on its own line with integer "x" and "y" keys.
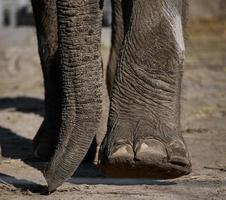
{"x": 203, "y": 125}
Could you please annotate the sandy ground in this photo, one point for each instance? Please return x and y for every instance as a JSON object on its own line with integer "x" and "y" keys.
{"x": 203, "y": 125}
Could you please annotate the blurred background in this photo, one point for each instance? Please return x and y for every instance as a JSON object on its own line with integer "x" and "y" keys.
{"x": 19, "y": 12}
{"x": 203, "y": 94}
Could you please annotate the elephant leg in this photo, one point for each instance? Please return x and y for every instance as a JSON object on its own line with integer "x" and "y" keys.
{"x": 45, "y": 15}
{"x": 144, "y": 137}
{"x": 119, "y": 26}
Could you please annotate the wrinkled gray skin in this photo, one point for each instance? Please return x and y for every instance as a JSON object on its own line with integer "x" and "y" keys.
{"x": 144, "y": 81}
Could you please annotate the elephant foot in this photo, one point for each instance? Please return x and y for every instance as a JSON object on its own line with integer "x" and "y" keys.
{"x": 143, "y": 155}
{"x": 148, "y": 158}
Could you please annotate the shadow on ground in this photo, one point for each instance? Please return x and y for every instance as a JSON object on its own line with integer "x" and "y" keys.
{"x": 22, "y": 184}
{"x": 23, "y": 104}
{"x": 14, "y": 146}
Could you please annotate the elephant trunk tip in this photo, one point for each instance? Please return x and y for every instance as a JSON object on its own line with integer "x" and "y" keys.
{"x": 52, "y": 184}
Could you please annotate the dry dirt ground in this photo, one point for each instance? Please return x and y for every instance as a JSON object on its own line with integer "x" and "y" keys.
{"x": 203, "y": 125}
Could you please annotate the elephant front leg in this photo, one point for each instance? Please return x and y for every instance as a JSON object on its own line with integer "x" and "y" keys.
{"x": 144, "y": 137}
{"x": 120, "y": 22}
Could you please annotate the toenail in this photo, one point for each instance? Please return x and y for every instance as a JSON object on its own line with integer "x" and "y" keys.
{"x": 152, "y": 146}
{"x": 178, "y": 147}
{"x": 122, "y": 150}
{"x": 178, "y": 153}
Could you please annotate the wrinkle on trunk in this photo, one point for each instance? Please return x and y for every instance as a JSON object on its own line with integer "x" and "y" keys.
{"x": 79, "y": 25}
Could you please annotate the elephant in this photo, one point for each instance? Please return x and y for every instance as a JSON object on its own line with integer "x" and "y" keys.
{"x": 136, "y": 135}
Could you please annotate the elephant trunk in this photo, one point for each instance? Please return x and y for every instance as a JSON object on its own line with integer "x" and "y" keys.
{"x": 79, "y": 29}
